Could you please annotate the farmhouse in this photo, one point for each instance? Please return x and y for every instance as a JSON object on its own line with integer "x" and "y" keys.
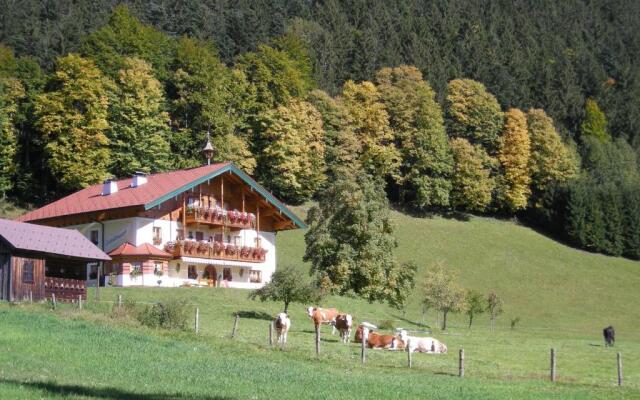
{"x": 208, "y": 226}
{"x": 37, "y": 261}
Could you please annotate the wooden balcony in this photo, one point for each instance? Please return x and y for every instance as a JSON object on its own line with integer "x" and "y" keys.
{"x": 216, "y": 251}
{"x": 219, "y": 217}
{"x": 64, "y": 289}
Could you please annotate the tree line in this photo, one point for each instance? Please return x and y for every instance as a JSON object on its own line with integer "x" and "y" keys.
{"x": 134, "y": 98}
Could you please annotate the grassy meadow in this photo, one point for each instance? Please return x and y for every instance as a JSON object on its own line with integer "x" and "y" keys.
{"x": 563, "y": 296}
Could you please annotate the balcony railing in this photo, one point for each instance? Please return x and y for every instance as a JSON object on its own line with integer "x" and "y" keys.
{"x": 215, "y": 250}
{"x": 219, "y": 216}
{"x": 64, "y": 289}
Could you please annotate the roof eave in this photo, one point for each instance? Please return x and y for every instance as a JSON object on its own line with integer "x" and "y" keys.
{"x": 246, "y": 178}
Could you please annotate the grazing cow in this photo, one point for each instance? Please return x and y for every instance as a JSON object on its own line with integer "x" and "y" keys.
{"x": 283, "y": 324}
{"x": 609, "y": 336}
{"x": 421, "y": 344}
{"x": 343, "y": 324}
{"x": 326, "y": 316}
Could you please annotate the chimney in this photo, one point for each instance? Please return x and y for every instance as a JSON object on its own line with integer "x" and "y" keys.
{"x": 139, "y": 179}
{"x": 109, "y": 187}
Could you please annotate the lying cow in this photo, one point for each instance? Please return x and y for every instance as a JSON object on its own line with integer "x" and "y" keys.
{"x": 323, "y": 316}
{"x": 421, "y": 344}
{"x": 282, "y": 324}
{"x": 609, "y": 336}
{"x": 376, "y": 340}
{"x": 343, "y": 324}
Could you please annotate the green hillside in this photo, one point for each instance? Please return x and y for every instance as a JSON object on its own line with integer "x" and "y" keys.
{"x": 547, "y": 284}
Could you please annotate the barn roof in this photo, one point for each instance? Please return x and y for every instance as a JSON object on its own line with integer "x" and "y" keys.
{"x": 145, "y": 249}
{"x": 47, "y": 240}
{"x": 158, "y": 189}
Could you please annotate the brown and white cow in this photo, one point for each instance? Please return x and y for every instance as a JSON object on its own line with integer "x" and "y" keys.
{"x": 282, "y": 324}
{"x": 343, "y": 324}
{"x": 422, "y": 344}
{"x": 376, "y": 340}
{"x": 323, "y": 316}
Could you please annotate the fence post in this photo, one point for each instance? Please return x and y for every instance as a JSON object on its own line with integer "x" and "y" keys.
{"x": 197, "y": 320}
{"x": 53, "y": 300}
{"x": 317, "y": 340}
{"x": 80, "y": 301}
{"x": 363, "y": 345}
{"x": 409, "y": 361}
{"x": 461, "y": 363}
{"x": 271, "y": 334}
{"x": 119, "y": 301}
{"x": 553, "y": 365}
{"x": 235, "y": 326}
{"x": 619, "y": 369}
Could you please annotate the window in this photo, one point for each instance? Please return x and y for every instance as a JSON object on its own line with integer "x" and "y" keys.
{"x": 258, "y": 242}
{"x": 93, "y": 270}
{"x": 237, "y": 240}
{"x": 226, "y": 274}
{"x": 157, "y": 268}
{"x": 192, "y": 273}
{"x": 190, "y": 235}
{"x": 135, "y": 270}
{"x": 255, "y": 277}
{"x": 217, "y": 237}
{"x": 94, "y": 236}
{"x": 199, "y": 236}
{"x": 157, "y": 235}
{"x": 27, "y": 272}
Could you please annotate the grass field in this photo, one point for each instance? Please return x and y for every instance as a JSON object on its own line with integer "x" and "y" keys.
{"x": 564, "y": 297}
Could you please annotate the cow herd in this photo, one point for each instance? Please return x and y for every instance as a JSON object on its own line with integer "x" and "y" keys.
{"x": 343, "y": 323}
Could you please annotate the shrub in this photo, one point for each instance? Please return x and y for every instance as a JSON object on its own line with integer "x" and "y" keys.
{"x": 171, "y": 314}
{"x": 128, "y": 309}
{"x": 514, "y": 322}
{"x": 387, "y": 325}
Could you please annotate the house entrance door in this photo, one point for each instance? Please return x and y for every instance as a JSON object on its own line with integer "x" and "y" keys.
{"x": 210, "y": 273}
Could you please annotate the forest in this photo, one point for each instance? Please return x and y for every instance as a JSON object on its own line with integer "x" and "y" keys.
{"x": 515, "y": 109}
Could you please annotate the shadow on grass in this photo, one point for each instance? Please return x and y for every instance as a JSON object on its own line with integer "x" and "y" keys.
{"x": 414, "y": 323}
{"x": 254, "y": 315}
{"x": 53, "y": 388}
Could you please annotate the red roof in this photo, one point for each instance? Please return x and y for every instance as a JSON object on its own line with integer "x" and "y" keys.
{"x": 48, "y": 240}
{"x": 91, "y": 199}
{"x": 145, "y": 249}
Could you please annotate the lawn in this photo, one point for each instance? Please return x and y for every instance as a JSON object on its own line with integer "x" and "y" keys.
{"x": 563, "y": 296}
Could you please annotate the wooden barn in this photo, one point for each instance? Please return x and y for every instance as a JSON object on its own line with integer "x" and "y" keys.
{"x": 37, "y": 261}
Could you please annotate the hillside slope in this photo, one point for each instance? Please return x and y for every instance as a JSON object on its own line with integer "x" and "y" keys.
{"x": 545, "y": 283}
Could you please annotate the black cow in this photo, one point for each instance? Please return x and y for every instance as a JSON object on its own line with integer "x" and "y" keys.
{"x": 609, "y": 336}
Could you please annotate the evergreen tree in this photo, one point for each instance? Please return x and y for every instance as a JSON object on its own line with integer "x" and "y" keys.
{"x": 139, "y": 127}
{"x": 595, "y": 122}
{"x": 551, "y": 160}
{"x": 208, "y": 97}
{"x": 370, "y": 122}
{"x": 350, "y": 243}
{"x": 473, "y": 113}
{"x": 514, "y": 153}
{"x": 418, "y": 125}
{"x": 72, "y": 118}
{"x": 125, "y": 36}
{"x": 472, "y": 182}
{"x": 292, "y": 161}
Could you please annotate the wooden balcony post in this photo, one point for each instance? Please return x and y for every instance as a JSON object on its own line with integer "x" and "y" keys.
{"x": 184, "y": 217}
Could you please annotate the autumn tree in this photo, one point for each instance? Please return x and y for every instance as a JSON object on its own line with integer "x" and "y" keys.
{"x": 292, "y": 160}
{"x": 124, "y": 36}
{"x": 139, "y": 127}
{"x": 472, "y": 183}
{"x": 494, "y": 307}
{"x": 209, "y": 97}
{"x": 350, "y": 243}
{"x": 287, "y": 285}
{"x": 514, "y": 153}
{"x": 370, "y": 122}
{"x": 473, "y": 113}
{"x": 11, "y": 91}
{"x": 418, "y": 125}
{"x": 595, "y": 122}
{"x": 441, "y": 291}
{"x": 72, "y": 118}
{"x": 342, "y": 148}
{"x": 551, "y": 160}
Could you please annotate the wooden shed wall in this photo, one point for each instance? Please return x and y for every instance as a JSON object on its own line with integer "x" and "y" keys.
{"x": 20, "y": 289}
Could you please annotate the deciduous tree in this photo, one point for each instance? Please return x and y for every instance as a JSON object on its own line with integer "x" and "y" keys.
{"x": 287, "y": 285}
{"x": 472, "y": 182}
{"x": 442, "y": 292}
{"x": 11, "y": 91}
{"x": 475, "y": 305}
{"x": 72, "y": 118}
{"x": 595, "y": 122}
{"x": 494, "y": 307}
{"x": 514, "y": 154}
